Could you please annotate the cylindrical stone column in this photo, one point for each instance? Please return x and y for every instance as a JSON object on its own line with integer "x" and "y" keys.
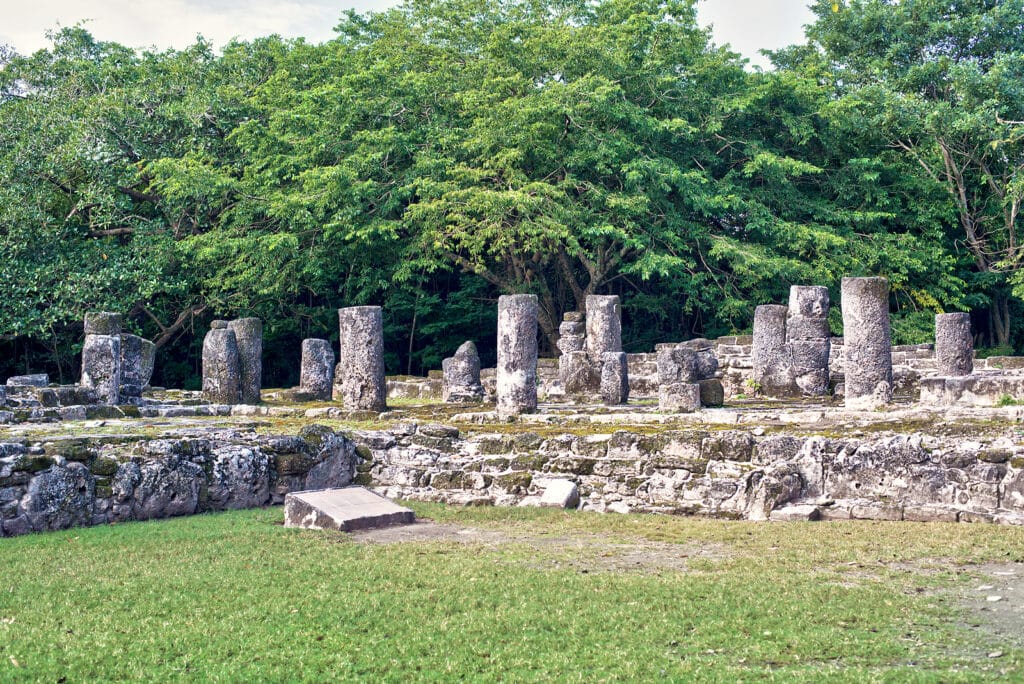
{"x": 316, "y": 376}
{"x": 867, "y": 342}
{"x": 614, "y": 378}
{"x": 359, "y": 381}
{"x": 460, "y": 379}
{"x": 221, "y": 375}
{"x": 954, "y": 346}
{"x": 249, "y": 337}
{"x": 517, "y": 354}
{"x": 136, "y": 360}
{"x": 809, "y": 339}
{"x": 604, "y": 325}
{"x": 101, "y": 356}
{"x": 769, "y": 336}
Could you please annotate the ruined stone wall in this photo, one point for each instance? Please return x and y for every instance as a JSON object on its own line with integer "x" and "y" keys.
{"x": 730, "y": 473}
{"x": 71, "y": 482}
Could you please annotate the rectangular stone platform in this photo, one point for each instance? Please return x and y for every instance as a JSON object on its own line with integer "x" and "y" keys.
{"x": 345, "y": 509}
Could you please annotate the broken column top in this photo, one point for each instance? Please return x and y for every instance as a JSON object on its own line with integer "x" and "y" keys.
{"x": 604, "y": 325}
{"x": 808, "y": 300}
{"x": 102, "y": 323}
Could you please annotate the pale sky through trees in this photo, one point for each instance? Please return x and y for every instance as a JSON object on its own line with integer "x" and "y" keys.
{"x": 748, "y": 25}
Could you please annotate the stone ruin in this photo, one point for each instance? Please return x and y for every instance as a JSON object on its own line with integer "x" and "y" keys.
{"x": 679, "y": 430}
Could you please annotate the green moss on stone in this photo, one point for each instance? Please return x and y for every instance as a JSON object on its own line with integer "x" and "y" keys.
{"x": 449, "y": 479}
{"x": 103, "y": 466}
{"x": 363, "y": 479}
{"x": 513, "y": 482}
{"x": 293, "y": 464}
{"x": 529, "y": 462}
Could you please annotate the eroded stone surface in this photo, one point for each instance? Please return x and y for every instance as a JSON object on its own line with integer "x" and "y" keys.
{"x": 604, "y": 326}
{"x": 517, "y": 354}
{"x": 249, "y": 338}
{"x": 346, "y": 510}
{"x": 101, "y": 366}
{"x": 221, "y": 375}
{"x": 359, "y": 381}
{"x": 461, "y": 379}
{"x": 954, "y": 345}
{"x": 316, "y": 376}
{"x": 867, "y": 342}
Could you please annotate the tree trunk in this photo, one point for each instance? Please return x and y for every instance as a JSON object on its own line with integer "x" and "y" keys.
{"x": 999, "y": 311}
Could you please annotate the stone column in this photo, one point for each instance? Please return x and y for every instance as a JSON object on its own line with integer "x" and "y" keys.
{"x": 221, "y": 375}
{"x": 604, "y": 325}
{"x": 867, "y": 342}
{"x": 359, "y": 381}
{"x": 773, "y": 368}
{"x": 460, "y": 380}
{"x": 572, "y": 333}
{"x": 316, "y": 375}
{"x": 101, "y": 356}
{"x": 954, "y": 346}
{"x": 137, "y": 356}
{"x": 517, "y": 354}
{"x": 809, "y": 339}
{"x": 249, "y": 336}
{"x": 614, "y": 378}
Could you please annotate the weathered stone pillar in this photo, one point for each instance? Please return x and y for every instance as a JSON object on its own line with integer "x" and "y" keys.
{"x": 137, "y": 355}
{"x": 316, "y": 375}
{"x": 221, "y": 375}
{"x": 460, "y": 381}
{"x": 867, "y": 342}
{"x": 249, "y": 337}
{"x": 101, "y": 356}
{"x": 680, "y": 371}
{"x": 614, "y": 378}
{"x": 359, "y": 381}
{"x": 604, "y": 325}
{"x": 572, "y": 333}
{"x": 517, "y": 354}
{"x": 809, "y": 339}
{"x": 773, "y": 368}
{"x": 954, "y": 346}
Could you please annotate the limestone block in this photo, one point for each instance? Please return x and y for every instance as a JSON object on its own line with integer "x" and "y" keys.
{"x": 517, "y": 354}
{"x": 604, "y": 325}
{"x": 804, "y": 328}
{"x": 712, "y": 392}
{"x": 559, "y": 494}
{"x": 102, "y": 323}
{"x": 137, "y": 355}
{"x": 36, "y": 380}
{"x": 461, "y": 379}
{"x": 359, "y": 381}
{"x": 808, "y": 301}
{"x": 101, "y": 366}
{"x": 682, "y": 397}
{"x": 578, "y": 376}
{"x": 954, "y": 345}
{"x": 867, "y": 342}
{"x": 249, "y": 338}
{"x": 221, "y": 378}
{"x": 316, "y": 376}
{"x": 614, "y": 378}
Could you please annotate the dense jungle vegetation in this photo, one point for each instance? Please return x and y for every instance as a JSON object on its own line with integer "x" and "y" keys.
{"x": 436, "y": 155}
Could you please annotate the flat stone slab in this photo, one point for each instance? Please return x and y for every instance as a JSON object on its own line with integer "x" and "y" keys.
{"x": 345, "y": 509}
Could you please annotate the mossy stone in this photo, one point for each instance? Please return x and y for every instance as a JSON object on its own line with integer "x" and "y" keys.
{"x": 103, "y": 466}
{"x": 293, "y": 463}
{"x": 529, "y": 462}
{"x": 449, "y": 479}
{"x": 513, "y": 482}
{"x": 363, "y": 479}
{"x": 364, "y": 452}
{"x": 994, "y": 455}
{"x": 32, "y": 464}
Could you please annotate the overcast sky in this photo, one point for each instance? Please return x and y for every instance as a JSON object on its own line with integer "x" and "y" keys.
{"x": 747, "y": 25}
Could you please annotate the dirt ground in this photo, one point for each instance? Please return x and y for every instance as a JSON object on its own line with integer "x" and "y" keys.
{"x": 995, "y": 602}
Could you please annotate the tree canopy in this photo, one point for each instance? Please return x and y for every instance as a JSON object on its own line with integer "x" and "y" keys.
{"x": 441, "y": 153}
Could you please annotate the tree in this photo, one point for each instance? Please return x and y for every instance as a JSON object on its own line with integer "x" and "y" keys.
{"x": 942, "y": 85}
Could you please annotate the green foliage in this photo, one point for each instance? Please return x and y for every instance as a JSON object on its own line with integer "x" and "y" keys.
{"x": 443, "y": 152}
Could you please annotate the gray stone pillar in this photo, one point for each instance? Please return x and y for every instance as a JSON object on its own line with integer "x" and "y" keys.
{"x": 316, "y": 375}
{"x": 808, "y": 338}
{"x": 137, "y": 356}
{"x": 221, "y": 376}
{"x": 460, "y": 381}
{"x": 249, "y": 337}
{"x": 359, "y": 381}
{"x": 954, "y": 346}
{"x": 773, "y": 367}
{"x": 572, "y": 333}
{"x": 580, "y": 377}
{"x": 604, "y": 325}
{"x": 867, "y": 342}
{"x": 680, "y": 371}
{"x": 614, "y": 378}
{"x": 517, "y": 354}
{"x": 101, "y": 356}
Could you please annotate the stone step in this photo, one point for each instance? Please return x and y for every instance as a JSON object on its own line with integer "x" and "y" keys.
{"x": 345, "y": 509}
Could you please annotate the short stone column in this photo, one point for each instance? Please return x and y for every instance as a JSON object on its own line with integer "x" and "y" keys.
{"x": 773, "y": 368}
{"x": 808, "y": 338}
{"x": 954, "y": 346}
{"x": 221, "y": 375}
{"x": 316, "y": 375}
{"x": 359, "y": 382}
{"x": 614, "y": 378}
{"x": 604, "y": 325}
{"x": 517, "y": 354}
{"x": 867, "y": 342}
{"x": 681, "y": 368}
{"x": 137, "y": 355}
{"x": 249, "y": 336}
{"x": 572, "y": 333}
{"x": 460, "y": 379}
{"x": 101, "y": 356}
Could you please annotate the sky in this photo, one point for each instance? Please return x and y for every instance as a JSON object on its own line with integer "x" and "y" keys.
{"x": 747, "y": 25}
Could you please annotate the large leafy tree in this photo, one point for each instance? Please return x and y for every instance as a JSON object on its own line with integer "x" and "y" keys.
{"x": 938, "y": 86}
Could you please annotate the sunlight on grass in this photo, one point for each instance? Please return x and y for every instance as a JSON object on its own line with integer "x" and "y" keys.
{"x": 235, "y": 596}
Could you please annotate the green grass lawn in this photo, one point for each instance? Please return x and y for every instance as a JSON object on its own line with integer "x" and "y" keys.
{"x": 537, "y": 595}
